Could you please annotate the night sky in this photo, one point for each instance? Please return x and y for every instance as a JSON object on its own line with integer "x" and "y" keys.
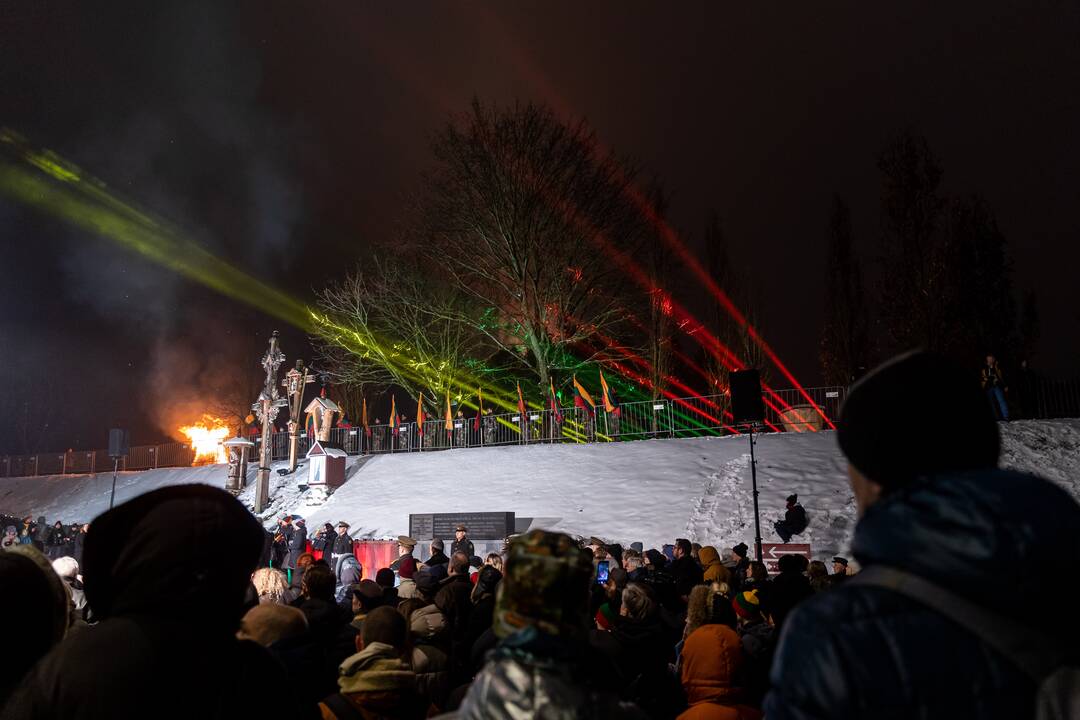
{"x": 284, "y": 136}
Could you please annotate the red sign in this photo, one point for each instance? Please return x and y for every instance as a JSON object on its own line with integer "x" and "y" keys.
{"x": 772, "y": 552}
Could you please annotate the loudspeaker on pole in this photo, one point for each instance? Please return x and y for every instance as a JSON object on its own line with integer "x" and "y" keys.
{"x": 746, "y": 402}
{"x": 118, "y": 443}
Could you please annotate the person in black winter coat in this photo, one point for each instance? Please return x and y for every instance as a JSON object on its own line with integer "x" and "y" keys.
{"x": 462, "y": 543}
{"x": 297, "y": 543}
{"x": 685, "y": 569}
{"x": 789, "y": 588}
{"x": 454, "y": 601}
{"x": 343, "y": 543}
{"x": 644, "y": 649}
{"x": 938, "y": 508}
{"x": 794, "y": 522}
{"x": 165, "y": 642}
{"x": 41, "y": 534}
{"x": 438, "y": 557}
{"x": 56, "y": 542}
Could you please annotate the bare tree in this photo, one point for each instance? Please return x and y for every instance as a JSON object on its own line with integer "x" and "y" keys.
{"x": 515, "y": 214}
{"x": 396, "y": 325}
{"x": 733, "y": 336}
{"x": 915, "y": 288}
{"x": 659, "y": 333}
{"x": 845, "y": 339}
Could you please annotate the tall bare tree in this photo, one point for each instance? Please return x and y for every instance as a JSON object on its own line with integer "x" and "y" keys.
{"x": 515, "y": 213}
{"x": 397, "y": 325}
{"x": 845, "y": 339}
{"x": 660, "y": 330}
{"x": 915, "y": 286}
{"x": 733, "y": 335}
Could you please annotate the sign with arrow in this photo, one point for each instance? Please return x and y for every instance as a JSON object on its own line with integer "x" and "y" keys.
{"x": 772, "y": 552}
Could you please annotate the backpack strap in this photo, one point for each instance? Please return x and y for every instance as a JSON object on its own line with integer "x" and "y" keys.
{"x": 341, "y": 707}
{"x": 1033, "y": 651}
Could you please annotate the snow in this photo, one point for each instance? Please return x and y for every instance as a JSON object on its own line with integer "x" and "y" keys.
{"x": 652, "y": 491}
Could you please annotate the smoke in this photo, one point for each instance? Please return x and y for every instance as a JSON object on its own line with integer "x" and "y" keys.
{"x": 197, "y": 147}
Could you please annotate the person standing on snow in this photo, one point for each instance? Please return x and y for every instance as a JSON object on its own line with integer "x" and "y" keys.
{"x": 993, "y": 383}
{"x": 343, "y": 544}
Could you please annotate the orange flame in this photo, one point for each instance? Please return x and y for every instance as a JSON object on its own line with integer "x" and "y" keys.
{"x": 205, "y": 437}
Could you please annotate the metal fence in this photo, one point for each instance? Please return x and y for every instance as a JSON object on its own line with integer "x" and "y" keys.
{"x": 789, "y": 410}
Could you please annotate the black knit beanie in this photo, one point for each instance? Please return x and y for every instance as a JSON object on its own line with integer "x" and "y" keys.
{"x": 917, "y": 415}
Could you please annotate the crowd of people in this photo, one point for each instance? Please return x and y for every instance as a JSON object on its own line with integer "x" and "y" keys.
{"x": 172, "y": 609}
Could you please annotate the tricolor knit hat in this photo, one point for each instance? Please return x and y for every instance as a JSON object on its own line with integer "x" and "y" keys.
{"x": 605, "y": 617}
{"x": 747, "y": 605}
{"x": 896, "y": 399}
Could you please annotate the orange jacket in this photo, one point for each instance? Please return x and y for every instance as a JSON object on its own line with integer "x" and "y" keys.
{"x": 710, "y": 658}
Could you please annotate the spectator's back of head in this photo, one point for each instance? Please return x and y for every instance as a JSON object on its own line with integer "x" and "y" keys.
{"x": 385, "y": 578}
{"x": 158, "y": 546}
{"x": 637, "y": 602}
{"x": 368, "y": 594}
{"x": 879, "y": 415}
{"x": 545, "y": 585}
{"x": 35, "y": 612}
{"x": 459, "y": 564}
{"x": 319, "y": 583}
{"x": 268, "y": 623}
{"x": 385, "y": 625}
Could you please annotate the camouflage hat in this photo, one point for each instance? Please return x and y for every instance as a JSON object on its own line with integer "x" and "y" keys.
{"x": 546, "y": 585}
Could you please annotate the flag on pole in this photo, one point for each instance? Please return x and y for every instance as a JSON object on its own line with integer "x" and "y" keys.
{"x": 420, "y": 415}
{"x": 449, "y": 417}
{"x": 521, "y": 403}
{"x": 582, "y": 398}
{"x": 363, "y": 419}
{"x": 394, "y": 424}
{"x": 611, "y": 403}
{"x": 479, "y": 409}
{"x": 555, "y": 403}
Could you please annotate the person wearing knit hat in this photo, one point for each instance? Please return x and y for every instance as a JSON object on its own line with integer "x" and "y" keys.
{"x": 938, "y": 522}
{"x": 605, "y": 617}
{"x": 747, "y": 605}
{"x": 542, "y": 621}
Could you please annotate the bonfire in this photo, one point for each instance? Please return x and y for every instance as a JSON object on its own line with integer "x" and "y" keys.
{"x": 206, "y": 437}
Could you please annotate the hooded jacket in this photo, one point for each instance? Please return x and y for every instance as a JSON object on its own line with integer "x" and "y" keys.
{"x": 711, "y": 660}
{"x": 348, "y": 572}
{"x": 378, "y": 684}
{"x": 167, "y": 618}
{"x": 714, "y": 569}
{"x": 991, "y": 537}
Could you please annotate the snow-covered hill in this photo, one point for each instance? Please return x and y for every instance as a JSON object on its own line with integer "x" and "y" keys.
{"x": 651, "y": 491}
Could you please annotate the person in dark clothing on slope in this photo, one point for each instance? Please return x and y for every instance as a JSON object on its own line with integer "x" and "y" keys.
{"x": 935, "y": 509}
{"x": 140, "y": 566}
{"x": 794, "y": 522}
